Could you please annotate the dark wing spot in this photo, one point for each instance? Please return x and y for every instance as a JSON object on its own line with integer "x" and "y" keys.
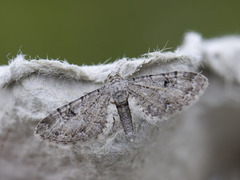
{"x": 175, "y": 73}
{"x": 166, "y": 82}
{"x": 56, "y": 133}
{"x": 59, "y": 111}
{"x": 72, "y": 112}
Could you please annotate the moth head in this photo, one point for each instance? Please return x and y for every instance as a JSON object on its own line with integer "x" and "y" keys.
{"x": 114, "y": 76}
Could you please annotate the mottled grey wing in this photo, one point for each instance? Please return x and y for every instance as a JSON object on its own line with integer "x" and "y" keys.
{"x": 165, "y": 94}
{"x": 80, "y": 120}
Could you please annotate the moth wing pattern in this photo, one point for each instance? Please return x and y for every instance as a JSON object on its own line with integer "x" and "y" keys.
{"x": 159, "y": 96}
{"x": 165, "y": 94}
{"x": 80, "y": 120}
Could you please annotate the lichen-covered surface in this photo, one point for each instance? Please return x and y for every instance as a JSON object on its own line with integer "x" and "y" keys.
{"x": 201, "y": 143}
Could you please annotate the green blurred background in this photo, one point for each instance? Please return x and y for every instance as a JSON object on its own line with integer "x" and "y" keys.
{"x": 90, "y": 32}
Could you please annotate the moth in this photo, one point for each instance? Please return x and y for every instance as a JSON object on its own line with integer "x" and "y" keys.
{"x": 159, "y": 96}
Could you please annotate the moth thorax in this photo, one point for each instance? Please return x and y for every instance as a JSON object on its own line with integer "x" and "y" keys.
{"x": 120, "y": 97}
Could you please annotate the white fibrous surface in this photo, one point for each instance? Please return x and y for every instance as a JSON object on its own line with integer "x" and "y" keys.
{"x": 221, "y": 55}
{"x": 200, "y": 143}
